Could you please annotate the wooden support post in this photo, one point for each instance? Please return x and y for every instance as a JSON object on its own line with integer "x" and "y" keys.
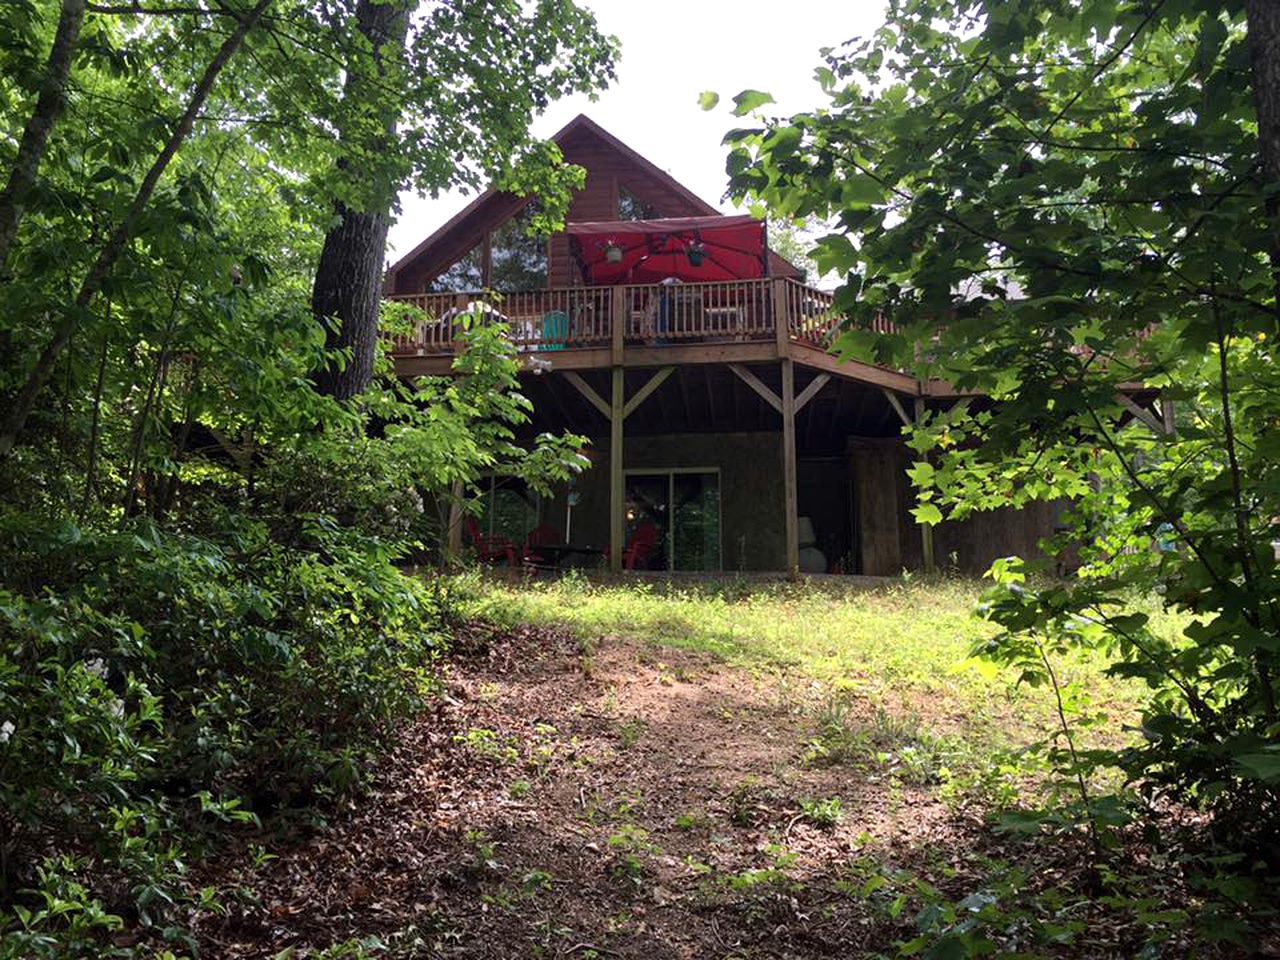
{"x": 926, "y": 531}
{"x": 453, "y": 535}
{"x": 617, "y": 488}
{"x": 791, "y": 521}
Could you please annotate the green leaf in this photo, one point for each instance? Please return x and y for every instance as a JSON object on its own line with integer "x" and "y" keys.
{"x": 927, "y": 513}
{"x": 1261, "y": 766}
{"x": 708, "y": 99}
{"x": 749, "y": 100}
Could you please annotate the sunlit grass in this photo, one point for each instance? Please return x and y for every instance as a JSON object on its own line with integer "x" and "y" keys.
{"x": 904, "y": 645}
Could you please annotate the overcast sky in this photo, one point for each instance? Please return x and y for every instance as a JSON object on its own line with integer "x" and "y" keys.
{"x": 672, "y": 50}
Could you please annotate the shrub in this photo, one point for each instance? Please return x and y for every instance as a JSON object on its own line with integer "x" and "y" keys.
{"x": 156, "y": 683}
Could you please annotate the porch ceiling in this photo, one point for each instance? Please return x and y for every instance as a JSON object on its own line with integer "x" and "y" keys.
{"x": 710, "y": 398}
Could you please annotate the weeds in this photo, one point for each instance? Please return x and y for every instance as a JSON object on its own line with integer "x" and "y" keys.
{"x": 897, "y": 746}
{"x": 823, "y": 814}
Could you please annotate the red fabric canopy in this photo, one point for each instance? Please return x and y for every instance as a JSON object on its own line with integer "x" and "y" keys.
{"x": 688, "y": 248}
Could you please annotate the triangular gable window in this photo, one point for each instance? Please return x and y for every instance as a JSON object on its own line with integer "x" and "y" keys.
{"x": 465, "y": 275}
{"x": 519, "y": 260}
{"x": 631, "y": 207}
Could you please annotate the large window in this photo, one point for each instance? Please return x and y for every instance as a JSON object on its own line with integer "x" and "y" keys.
{"x": 631, "y": 207}
{"x": 518, "y": 259}
{"x": 463, "y": 276}
{"x": 678, "y": 512}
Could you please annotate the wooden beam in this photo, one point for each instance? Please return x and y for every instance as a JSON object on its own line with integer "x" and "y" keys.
{"x": 652, "y": 384}
{"x": 585, "y": 389}
{"x": 791, "y": 523}
{"x": 898, "y": 408}
{"x": 811, "y": 391}
{"x": 1156, "y": 424}
{"x": 617, "y": 489}
{"x": 752, "y": 381}
{"x": 926, "y": 531}
{"x": 818, "y": 359}
{"x": 1166, "y": 413}
{"x": 679, "y": 354}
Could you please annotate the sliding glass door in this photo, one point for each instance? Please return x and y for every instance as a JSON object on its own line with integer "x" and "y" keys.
{"x": 673, "y": 520}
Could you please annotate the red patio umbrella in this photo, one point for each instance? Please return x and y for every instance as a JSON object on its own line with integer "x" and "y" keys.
{"x": 687, "y": 248}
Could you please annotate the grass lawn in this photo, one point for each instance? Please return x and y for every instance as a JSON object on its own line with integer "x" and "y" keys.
{"x": 904, "y": 646}
{"x": 758, "y": 771}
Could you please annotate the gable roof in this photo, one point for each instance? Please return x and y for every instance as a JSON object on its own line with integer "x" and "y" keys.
{"x": 453, "y": 239}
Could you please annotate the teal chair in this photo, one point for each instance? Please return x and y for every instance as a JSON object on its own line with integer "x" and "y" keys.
{"x": 555, "y": 330}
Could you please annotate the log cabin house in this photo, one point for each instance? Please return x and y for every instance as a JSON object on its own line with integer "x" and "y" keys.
{"x": 724, "y": 435}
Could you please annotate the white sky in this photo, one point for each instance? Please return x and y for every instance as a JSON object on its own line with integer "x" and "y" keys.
{"x": 672, "y": 50}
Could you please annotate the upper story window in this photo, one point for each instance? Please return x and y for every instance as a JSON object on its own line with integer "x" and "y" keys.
{"x": 631, "y": 207}
{"x": 463, "y": 276}
{"x": 518, "y": 260}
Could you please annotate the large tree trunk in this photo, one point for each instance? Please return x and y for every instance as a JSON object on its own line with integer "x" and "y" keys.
{"x": 346, "y": 296}
{"x": 35, "y": 137}
{"x": 348, "y": 284}
{"x": 15, "y": 418}
{"x": 1263, "y": 18}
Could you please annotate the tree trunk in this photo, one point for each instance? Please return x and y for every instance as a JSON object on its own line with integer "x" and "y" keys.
{"x": 346, "y": 297}
{"x": 348, "y": 285}
{"x": 15, "y": 418}
{"x": 1263, "y": 17}
{"x": 35, "y": 137}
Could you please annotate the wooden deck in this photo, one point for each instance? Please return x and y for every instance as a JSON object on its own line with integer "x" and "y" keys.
{"x": 649, "y": 325}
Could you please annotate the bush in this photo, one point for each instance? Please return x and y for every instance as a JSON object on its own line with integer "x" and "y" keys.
{"x": 153, "y": 684}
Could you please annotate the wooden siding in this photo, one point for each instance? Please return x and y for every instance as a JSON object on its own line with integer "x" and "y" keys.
{"x": 609, "y": 163}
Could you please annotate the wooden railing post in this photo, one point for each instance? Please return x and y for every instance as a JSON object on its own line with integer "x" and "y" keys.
{"x": 781, "y": 316}
{"x": 460, "y": 302}
{"x": 618, "y": 322}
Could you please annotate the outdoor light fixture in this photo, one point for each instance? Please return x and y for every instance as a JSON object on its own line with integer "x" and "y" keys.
{"x": 613, "y": 252}
{"x": 695, "y": 251}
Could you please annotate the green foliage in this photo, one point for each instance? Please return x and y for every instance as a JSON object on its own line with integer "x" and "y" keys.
{"x": 203, "y": 615}
{"x": 823, "y": 813}
{"x": 1055, "y": 204}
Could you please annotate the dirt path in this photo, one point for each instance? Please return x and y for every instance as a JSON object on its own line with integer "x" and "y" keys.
{"x": 629, "y": 801}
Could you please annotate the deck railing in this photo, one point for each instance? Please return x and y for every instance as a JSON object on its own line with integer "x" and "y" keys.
{"x": 655, "y": 314}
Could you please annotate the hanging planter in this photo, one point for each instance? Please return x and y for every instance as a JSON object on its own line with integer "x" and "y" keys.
{"x": 612, "y": 252}
{"x": 696, "y": 253}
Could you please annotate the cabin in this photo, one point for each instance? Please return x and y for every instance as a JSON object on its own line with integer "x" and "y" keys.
{"x": 724, "y": 434}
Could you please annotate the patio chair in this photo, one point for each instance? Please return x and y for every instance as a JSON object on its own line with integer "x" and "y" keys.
{"x": 490, "y": 549}
{"x": 554, "y": 330}
{"x": 543, "y": 535}
{"x": 639, "y": 545}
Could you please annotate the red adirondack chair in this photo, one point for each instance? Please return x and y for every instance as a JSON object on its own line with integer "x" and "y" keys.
{"x": 491, "y": 549}
{"x": 540, "y": 536}
{"x": 641, "y": 543}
